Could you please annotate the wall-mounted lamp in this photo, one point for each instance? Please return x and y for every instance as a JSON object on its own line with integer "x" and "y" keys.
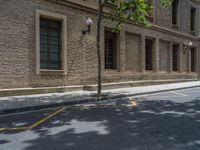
{"x": 89, "y": 23}
{"x": 188, "y": 46}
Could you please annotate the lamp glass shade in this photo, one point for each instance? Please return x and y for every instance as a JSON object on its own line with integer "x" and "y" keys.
{"x": 190, "y": 43}
{"x": 89, "y": 22}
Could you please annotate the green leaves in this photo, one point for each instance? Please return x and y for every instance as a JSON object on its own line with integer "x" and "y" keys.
{"x": 133, "y": 10}
{"x": 165, "y": 3}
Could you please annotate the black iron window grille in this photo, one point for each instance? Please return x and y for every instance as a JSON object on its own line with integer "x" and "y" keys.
{"x": 149, "y": 55}
{"x": 110, "y": 50}
{"x": 193, "y": 60}
{"x": 50, "y": 44}
{"x": 175, "y": 58}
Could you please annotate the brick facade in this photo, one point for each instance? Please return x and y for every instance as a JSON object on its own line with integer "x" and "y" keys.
{"x": 18, "y": 32}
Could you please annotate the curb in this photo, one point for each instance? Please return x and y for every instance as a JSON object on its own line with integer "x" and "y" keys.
{"x": 105, "y": 86}
{"x": 89, "y": 99}
{"x": 32, "y": 91}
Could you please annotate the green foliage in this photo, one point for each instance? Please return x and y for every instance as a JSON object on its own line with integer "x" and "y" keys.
{"x": 133, "y": 10}
{"x": 126, "y": 10}
{"x": 165, "y": 3}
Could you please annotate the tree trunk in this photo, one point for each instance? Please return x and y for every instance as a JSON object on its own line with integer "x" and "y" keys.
{"x": 100, "y": 9}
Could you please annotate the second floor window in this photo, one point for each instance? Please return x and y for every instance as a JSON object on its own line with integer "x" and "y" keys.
{"x": 50, "y": 44}
{"x": 192, "y": 21}
{"x": 150, "y": 5}
{"x": 175, "y": 12}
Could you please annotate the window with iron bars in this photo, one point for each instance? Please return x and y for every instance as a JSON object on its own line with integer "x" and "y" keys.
{"x": 148, "y": 54}
{"x": 193, "y": 60}
{"x": 50, "y": 44}
{"x": 110, "y": 50}
{"x": 175, "y": 57}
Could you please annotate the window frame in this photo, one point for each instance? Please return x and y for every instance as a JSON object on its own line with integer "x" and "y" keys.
{"x": 175, "y": 12}
{"x": 57, "y": 17}
{"x": 193, "y": 13}
{"x": 150, "y": 15}
{"x": 175, "y": 60}
{"x": 193, "y": 59}
{"x": 149, "y": 54}
{"x": 115, "y": 65}
{"x": 48, "y": 29}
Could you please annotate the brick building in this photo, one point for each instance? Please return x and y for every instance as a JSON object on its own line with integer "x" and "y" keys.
{"x": 41, "y": 44}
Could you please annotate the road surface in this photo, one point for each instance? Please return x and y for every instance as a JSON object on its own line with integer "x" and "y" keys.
{"x": 161, "y": 121}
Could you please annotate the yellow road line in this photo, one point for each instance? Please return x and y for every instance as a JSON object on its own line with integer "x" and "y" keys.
{"x": 12, "y": 129}
{"x": 181, "y": 94}
{"x": 130, "y": 98}
{"x": 45, "y": 119}
{"x": 133, "y": 102}
{"x": 35, "y": 124}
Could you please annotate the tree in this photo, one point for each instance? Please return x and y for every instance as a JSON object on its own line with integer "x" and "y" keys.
{"x": 125, "y": 10}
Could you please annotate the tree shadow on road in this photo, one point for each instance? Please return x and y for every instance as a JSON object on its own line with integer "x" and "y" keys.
{"x": 153, "y": 125}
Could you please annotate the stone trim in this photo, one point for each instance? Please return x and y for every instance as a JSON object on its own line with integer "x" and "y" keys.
{"x": 51, "y": 72}
{"x": 156, "y": 55}
{"x": 170, "y": 57}
{"x": 54, "y": 16}
{"x": 122, "y": 51}
{"x": 197, "y": 57}
{"x": 189, "y": 61}
{"x": 142, "y": 54}
{"x": 180, "y": 57}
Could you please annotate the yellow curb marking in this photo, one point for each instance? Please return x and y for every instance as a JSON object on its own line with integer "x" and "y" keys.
{"x": 11, "y": 129}
{"x": 133, "y": 102}
{"x": 35, "y": 124}
{"x": 46, "y": 118}
{"x": 179, "y": 93}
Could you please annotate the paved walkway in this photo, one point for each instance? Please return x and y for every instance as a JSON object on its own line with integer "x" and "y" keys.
{"x": 24, "y": 103}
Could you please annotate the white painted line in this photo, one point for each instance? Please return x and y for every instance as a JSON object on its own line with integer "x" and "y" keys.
{"x": 177, "y": 93}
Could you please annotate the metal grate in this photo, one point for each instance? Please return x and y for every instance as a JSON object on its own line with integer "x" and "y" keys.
{"x": 110, "y": 50}
{"x": 50, "y": 44}
{"x": 193, "y": 60}
{"x": 148, "y": 55}
{"x": 175, "y": 57}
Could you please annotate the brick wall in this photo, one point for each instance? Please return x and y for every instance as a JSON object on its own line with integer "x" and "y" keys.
{"x": 133, "y": 52}
{"x": 164, "y": 56}
{"x": 18, "y": 48}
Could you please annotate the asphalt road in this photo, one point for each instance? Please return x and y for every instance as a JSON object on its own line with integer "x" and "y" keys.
{"x": 162, "y": 121}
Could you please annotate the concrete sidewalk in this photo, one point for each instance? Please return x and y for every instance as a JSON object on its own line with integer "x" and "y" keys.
{"x": 25, "y": 103}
